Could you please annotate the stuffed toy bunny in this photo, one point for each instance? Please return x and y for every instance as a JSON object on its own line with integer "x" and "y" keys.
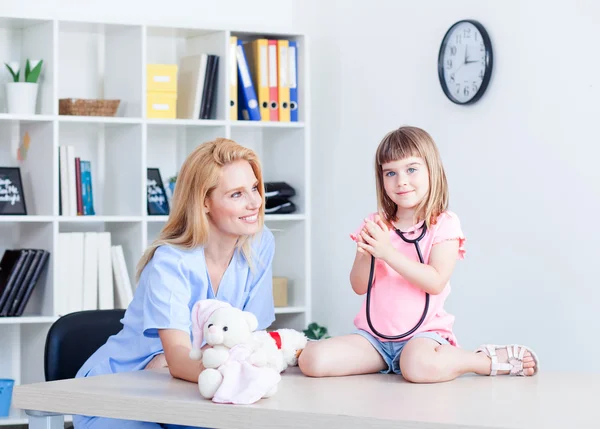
{"x": 235, "y": 372}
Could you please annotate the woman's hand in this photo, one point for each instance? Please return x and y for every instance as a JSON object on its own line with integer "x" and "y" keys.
{"x": 375, "y": 239}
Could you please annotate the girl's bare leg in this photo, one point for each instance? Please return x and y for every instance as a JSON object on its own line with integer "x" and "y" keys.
{"x": 345, "y": 355}
{"x": 424, "y": 360}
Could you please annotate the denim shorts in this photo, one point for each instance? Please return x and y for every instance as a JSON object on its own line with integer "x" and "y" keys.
{"x": 390, "y": 351}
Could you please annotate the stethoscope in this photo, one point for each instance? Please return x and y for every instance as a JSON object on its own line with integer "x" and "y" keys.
{"x": 414, "y": 241}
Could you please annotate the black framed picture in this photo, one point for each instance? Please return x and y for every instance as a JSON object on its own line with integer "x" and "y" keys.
{"x": 158, "y": 205}
{"x": 12, "y": 198}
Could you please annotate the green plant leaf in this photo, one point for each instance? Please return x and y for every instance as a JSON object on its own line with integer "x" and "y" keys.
{"x": 27, "y": 69}
{"x": 14, "y": 75}
{"x": 315, "y": 332}
{"x": 34, "y": 74}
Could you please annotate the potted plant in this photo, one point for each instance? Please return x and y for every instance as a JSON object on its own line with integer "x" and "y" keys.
{"x": 316, "y": 332}
{"x": 21, "y": 97}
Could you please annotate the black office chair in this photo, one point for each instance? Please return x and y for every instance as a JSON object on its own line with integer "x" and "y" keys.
{"x": 73, "y": 338}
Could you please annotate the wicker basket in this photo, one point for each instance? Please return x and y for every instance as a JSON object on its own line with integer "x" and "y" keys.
{"x": 83, "y": 107}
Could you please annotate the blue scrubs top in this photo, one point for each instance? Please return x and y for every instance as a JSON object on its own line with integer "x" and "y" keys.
{"x": 170, "y": 284}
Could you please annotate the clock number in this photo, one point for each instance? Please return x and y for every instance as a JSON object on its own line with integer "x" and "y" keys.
{"x": 449, "y": 63}
{"x": 452, "y": 77}
{"x": 474, "y": 86}
{"x": 466, "y": 91}
{"x": 458, "y": 39}
{"x": 467, "y": 32}
{"x": 481, "y": 73}
{"x": 453, "y": 50}
{"x": 482, "y": 47}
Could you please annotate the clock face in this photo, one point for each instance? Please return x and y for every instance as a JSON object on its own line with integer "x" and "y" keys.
{"x": 465, "y": 62}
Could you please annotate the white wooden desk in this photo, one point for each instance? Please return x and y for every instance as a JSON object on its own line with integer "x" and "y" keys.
{"x": 549, "y": 400}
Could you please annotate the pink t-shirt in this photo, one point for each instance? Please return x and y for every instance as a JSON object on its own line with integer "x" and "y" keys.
{"x": 396, "y": 305}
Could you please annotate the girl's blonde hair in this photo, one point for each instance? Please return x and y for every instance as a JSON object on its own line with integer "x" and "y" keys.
{"x": 403, "y": 143}
{"x": 187, "y": 226}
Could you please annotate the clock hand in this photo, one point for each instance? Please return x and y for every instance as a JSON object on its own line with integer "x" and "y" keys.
{"x": 467, "y": 60}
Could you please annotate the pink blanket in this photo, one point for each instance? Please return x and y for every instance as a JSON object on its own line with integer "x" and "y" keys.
{"x": 244, "y": 383}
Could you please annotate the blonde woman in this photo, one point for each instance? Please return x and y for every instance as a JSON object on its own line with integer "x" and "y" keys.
{"x": 415, "y": 242}
{"x": 214, "y": 246}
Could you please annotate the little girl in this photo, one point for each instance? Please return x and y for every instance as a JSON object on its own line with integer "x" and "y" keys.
{"x": 412, "y": 195}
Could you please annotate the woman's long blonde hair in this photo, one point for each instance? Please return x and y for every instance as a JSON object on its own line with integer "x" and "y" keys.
{"x": 403, "y": 143}
{"x": 187, "y": 226}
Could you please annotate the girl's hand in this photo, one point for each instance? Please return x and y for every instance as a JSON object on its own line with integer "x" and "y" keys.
{"x": 376, "y": 239}
{"x": 358, "y": 240}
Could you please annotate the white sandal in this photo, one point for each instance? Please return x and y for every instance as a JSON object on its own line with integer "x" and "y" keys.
{"x": 514, "y": 363}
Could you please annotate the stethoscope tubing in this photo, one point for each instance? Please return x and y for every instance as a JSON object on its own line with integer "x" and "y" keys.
{"x": 414, "y": 241}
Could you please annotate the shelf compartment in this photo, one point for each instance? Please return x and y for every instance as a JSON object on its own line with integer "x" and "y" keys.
{"x": 166, "y": 45}
{"x": 169, "y": 145}
{"x": 300, "y": 78}
{"x": 282, "y": 155}
{"x": 36, "y": 177}
{"x": 126, "y": 234}
{"x": 114, "y": 152}
{"x": 32, "y": 235}
{"x": 101, "y": 61}
{"x": 22, "y": 39}
{"x": 290, "y": 258}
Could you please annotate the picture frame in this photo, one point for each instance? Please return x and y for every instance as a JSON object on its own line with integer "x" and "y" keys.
{"x": 157, "y": 201}
{"x": 12, "y": 196}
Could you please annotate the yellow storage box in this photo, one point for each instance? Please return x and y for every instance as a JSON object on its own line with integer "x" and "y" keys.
{"x": 161, "y": 105}
{"x": 161, "y": 78}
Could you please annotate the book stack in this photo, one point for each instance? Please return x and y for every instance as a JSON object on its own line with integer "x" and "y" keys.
{"x": 20, "y": 271}
{"x": 197, "y": 86}
{"x": 92, "y": 273}
{"x": 75, "y": 183}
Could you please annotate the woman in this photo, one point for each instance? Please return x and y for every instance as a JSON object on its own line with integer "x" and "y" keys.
{"x": 214, "y": 246}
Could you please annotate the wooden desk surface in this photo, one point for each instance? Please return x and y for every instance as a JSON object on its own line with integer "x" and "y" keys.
{"x": 548, "y": 400}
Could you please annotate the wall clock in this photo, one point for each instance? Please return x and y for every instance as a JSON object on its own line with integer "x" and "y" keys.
{"x": 465, "y": 62}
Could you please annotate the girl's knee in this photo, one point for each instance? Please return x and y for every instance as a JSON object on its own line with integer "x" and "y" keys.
{"x": 419, "y": 370}
{"x": 421, "y": 366}
{"x": 311, "y": 360}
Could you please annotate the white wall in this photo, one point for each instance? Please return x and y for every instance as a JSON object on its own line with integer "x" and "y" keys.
{"x": 522, "y": 163}
{"x": 230, "y": 14}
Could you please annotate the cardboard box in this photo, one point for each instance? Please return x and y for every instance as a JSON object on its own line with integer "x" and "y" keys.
{"x": 161, "y": 78}
{"x": 280, "y": 291}
{"x": 161, "y": 105}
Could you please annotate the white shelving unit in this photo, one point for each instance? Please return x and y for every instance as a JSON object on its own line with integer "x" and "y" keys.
{"x": 104, "y": 60}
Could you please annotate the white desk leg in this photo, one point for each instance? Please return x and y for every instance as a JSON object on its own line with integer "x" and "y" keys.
{"x": 43, "y": 420}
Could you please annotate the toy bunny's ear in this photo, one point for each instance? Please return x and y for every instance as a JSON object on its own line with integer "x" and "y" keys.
{"x": 197, "y": 332}
{"x": 251, "y": 320}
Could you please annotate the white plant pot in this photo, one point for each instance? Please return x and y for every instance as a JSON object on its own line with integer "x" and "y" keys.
{"x": 21, "y": 98}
